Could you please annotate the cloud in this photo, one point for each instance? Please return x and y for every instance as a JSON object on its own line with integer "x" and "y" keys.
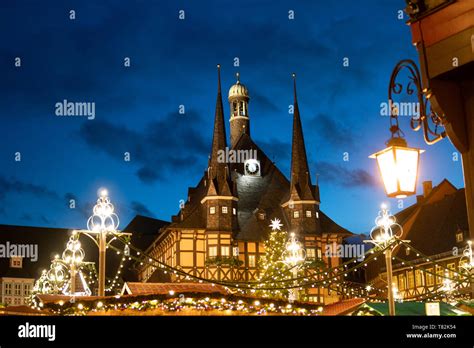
{"x": 263, "y": 102}
{"x": 276, "y": 149}
{"x": 140, "y": 209}
{"x": 332, "y": 131}
{"x": 175, "y": 144}
{"x": 342, "y": 176}
{"x": 20, "y": 187}
{"x": 83, "y": 209}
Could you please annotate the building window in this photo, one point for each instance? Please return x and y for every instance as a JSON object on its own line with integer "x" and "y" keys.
{"x": 317, "y": 215}
{"x": 224, "y": 210}
{"x": 16, "y": 262}
{"x": 418, "y": 278}
{"x": 212, "y": 251}
{"x": 8, "y": 289}
{"x": 401, "y": 282}
{"x": 296, "y": 214}
{"x": 459, "y": 236}
{"x": 411, "y": 280}
{"x": 234, "y": 211}
{"x": 17, "y": 289}
{"x": 252, "y": 262}
{"x": 26, "y": 289}
{"x": 451, "y": 268}
{"x": 261, "y": 216}
{"x": 319, "y": 253}
{"x": 311, "y": 253}
{"x": 429, "y": 277}
{"x": 308, "y": 213}
{"x": 225, "y": 251}
{"x": 439, "y": 274}
{"x": 212, "y": 210}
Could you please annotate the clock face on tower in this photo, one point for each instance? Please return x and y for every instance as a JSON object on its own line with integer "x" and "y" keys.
{"x": 252, "y": 168}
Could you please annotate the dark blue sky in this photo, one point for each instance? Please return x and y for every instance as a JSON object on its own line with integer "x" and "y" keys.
{"x": 172, "y": 63}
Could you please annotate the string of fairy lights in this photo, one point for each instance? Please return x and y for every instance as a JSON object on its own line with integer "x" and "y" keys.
{"x": 334, "y": 279}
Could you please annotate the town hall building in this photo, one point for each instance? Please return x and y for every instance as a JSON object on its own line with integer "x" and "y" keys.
{"x": 220, "y": 231}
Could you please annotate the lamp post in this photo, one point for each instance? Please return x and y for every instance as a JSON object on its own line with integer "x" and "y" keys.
{"x": 294, "y": 257}
{"x": 383, "y": 235}
{"x": 466, "y": 263}
{"x": 398, "y": 163}
{"x": 101, "y": 225}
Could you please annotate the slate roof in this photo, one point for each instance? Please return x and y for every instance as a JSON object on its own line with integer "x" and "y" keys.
{"x": 256, "y": 194}
{"x": 144, "y": 230}
{"x": 434, "y": 230}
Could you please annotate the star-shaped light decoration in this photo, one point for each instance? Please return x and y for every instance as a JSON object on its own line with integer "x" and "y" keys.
{"x": 276, "y": 224}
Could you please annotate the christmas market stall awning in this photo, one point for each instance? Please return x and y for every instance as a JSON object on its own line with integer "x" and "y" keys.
{"x": 342, "y": 307}
{"x": 408, "y": 308}
{"x": 136, "y": 288}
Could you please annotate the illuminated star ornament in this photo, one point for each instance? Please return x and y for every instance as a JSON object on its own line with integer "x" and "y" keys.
{"x": 276, "y": 224}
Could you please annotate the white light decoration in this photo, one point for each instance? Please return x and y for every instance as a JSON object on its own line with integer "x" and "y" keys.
{"x": 467, "y": 262}
{"x": 383, "y": 235}
{"x": 102, "y": 224}
{"x": 448, "y": 286}
{"x": 386, "y": 228}
{"x": 294, "y": 256}
{"x": 399, "y": 166}
{"x": 58, "y": 274}
{"x": 74, "y": 254}
{"x": 103, "y": 218}
{"x": 276, "y": 224}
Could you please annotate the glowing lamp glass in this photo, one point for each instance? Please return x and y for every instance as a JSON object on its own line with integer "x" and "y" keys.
{"x": 398, "y": 165}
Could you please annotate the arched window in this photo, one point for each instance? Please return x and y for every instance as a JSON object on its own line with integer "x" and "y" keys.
{"x": 234, "y": 109}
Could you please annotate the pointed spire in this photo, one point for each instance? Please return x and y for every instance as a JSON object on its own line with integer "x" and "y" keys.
{"x": 301, "y": 187}
{"x": 219, "y": 137}
{"x": 217, "y": 169}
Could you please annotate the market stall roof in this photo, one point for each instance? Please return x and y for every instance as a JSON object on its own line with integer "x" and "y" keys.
{"x": 414, "y": 308}
{"x": 342, "y": 307}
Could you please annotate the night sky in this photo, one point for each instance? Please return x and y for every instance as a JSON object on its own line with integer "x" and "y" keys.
{"x": 173, "y": 63}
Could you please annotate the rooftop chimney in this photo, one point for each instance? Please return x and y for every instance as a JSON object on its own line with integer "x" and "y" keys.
{"x": 427, "y": 188}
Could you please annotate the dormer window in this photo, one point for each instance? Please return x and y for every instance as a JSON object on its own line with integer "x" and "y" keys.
{"x": 261, "y": 216}
{"x": 459, "y": 236}
{"x": 16, "y": 262}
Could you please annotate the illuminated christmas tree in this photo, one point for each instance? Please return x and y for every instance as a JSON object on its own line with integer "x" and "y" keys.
{"x": 273, "y": 271}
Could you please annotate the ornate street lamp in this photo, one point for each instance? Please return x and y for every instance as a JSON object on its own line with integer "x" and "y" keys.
{"x": 467, "y": 260}
{"x": 294, "y": 256}
{"x": 101, "y": 225}
{"x": 398, "y": 163}
{"x": 383, "y": 235}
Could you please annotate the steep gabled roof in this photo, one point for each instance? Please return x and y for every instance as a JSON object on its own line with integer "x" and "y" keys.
{"x": 300, "y": 188}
